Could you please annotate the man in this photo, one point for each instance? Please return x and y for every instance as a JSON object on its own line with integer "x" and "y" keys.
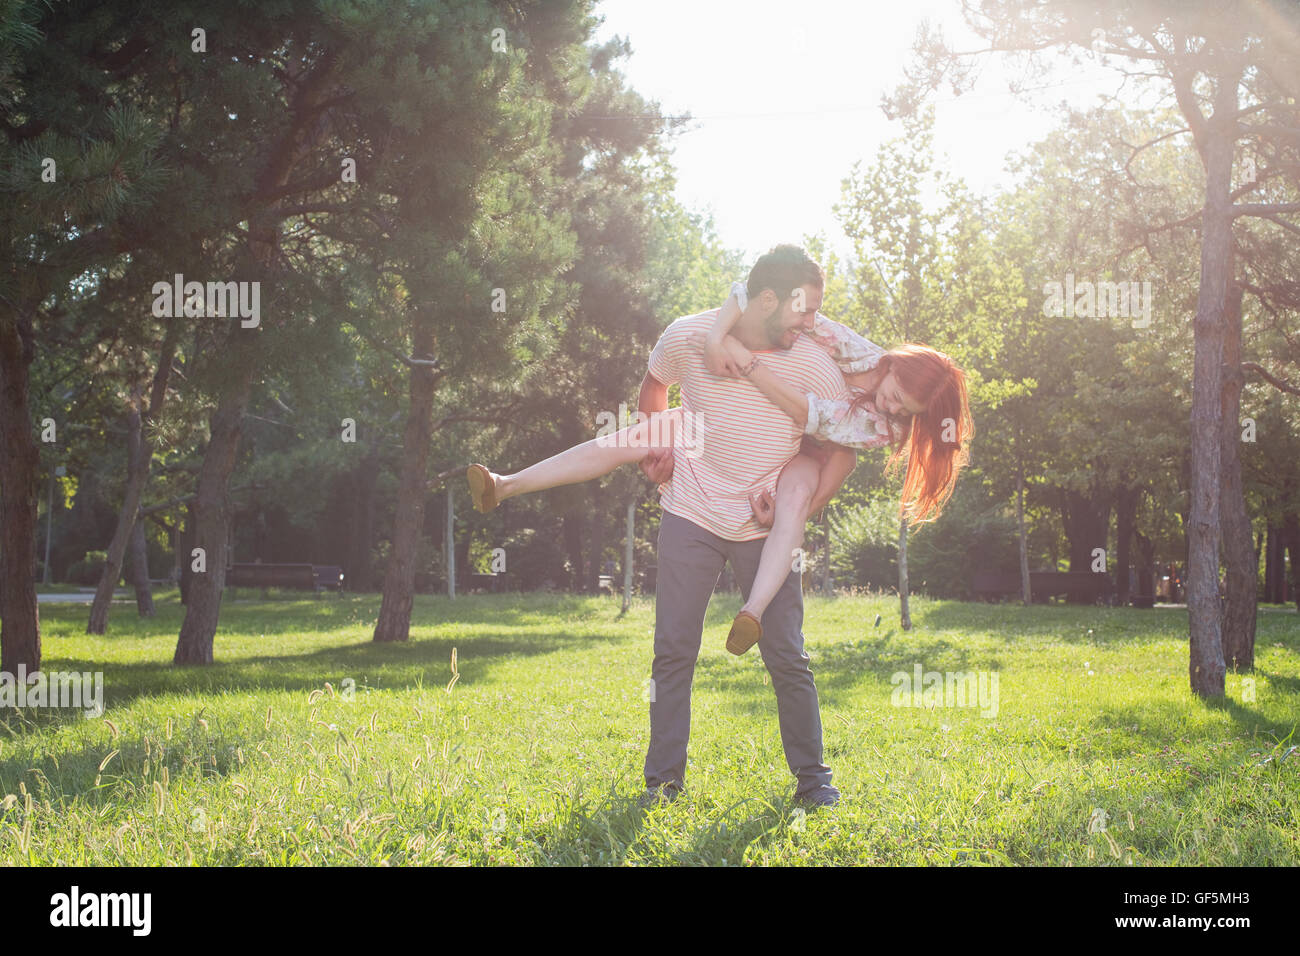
{"x": 710, "y": 502}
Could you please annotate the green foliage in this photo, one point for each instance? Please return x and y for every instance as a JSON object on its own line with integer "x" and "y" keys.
{"x": 534, "y": 560}
{"x": 864, "y": 550}
{"x": 973, "y": 534}
{"x": 87, "y": 571}
{"x": 541, "y": 172}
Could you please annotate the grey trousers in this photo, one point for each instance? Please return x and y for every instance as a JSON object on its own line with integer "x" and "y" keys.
{"x": 690, "y": 561}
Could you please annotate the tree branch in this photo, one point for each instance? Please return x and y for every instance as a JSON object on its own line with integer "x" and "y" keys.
{"x": 1277, "y": 383}
{"x": 1264, "y": 208}
{"x": 1148, "y": 145}
{"x": 170, "y": 503}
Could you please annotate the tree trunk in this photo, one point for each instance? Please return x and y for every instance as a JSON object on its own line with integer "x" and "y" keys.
{"x": 1026, "y": 591}
{"x": 140, "y": 571}
{"x": 212, "y": 507}
{"x": 261, "y": 536}
{"x": 361, "y": 524}
{"x": 137, "y": 473}
{"x": 571, "y": 527}
{"x": 449, "y": 541}
{"x": 184, "y": 547}
{"x": 47, "y": 573}
{"x": 902, "y": 576}
{"x": 1273, "y": 564}
{"x": 1239, "y": 558}
{"x": 394, "y": 623}
{"x": 1205, "y": 665}
{"x": 211, "y": 512}
{"x": 1146, "y": 577}
{"x": 1292, "y": 524}
{"x": 463, "y": 566}
{"x": 629, "y": 541}
{"x": 20, "y": 627}
{"x": 1087, "y": 520}
{"x": 596, "y": 564}
{"x": 139, "y": 460}
{"x": 1126, "y": 503}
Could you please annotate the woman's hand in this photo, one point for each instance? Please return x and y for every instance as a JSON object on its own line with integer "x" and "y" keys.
{"x": 717, "y": 356}
{"x": 718, "y": 360}
{"x": 738, "y": 353}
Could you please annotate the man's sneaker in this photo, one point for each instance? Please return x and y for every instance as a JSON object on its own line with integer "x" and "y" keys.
{"x": 822, "y": 797}
{"x": 659, "y": 794}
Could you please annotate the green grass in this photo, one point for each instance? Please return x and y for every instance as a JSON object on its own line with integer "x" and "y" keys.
{"x": 308, "y": 744}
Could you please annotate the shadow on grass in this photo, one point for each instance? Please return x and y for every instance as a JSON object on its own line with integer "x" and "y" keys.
{"x": 848, "y": 665}
{"x": 601, "y": 834}
{"x": 512, "y": 609}
{"x": 1062, "y": 622}
{"x": 1280, "y": 681}
{"x": 609, "y": 833}
{"x": 1155, "y": 720}
{"x": 86, "y": 773}
{"x": 422, "y": 661}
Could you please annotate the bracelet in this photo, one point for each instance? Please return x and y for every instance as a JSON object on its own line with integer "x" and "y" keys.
{"x": 753, "y": 363}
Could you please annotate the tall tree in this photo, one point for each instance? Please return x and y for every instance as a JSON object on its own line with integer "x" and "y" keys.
{"x": 77, "y": 172}
{"x": 1231, "y": 69}
{"x": 141, "y": 416}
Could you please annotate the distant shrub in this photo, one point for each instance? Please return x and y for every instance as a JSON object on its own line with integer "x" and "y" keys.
{"x": 87, "y": 571}
{"x": 864, "y": 546}
{"x": 534, "y": 560}
{"x": 972, "y": 534}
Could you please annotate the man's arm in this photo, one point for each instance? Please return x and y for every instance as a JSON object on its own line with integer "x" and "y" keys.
{"x": 653, "y": 397}
{"x": 657, "y": 465}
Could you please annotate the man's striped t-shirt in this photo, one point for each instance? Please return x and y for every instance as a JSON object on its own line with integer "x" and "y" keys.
{"x": 746, "y": 439}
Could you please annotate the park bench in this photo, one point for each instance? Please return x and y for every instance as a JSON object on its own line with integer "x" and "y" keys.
{"x": 1078, "y": 587}
{"x": 329, "y": 577}
{"x": 992, "y": 585}
{"x": 298, "y": 577}
{"x": 492, "y": 583}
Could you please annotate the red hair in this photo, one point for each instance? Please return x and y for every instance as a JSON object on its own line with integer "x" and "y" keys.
{"x": 936, "y": 442}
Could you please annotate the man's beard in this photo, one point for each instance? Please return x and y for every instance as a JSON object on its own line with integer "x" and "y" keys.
{"x": 775, "y": 331}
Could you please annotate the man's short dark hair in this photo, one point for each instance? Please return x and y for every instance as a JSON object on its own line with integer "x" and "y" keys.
{"x": 784, "y": 269}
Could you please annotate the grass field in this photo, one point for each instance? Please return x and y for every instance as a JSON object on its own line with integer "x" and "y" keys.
{"x": 308, "y": 744}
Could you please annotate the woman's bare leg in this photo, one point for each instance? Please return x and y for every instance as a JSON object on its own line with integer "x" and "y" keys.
{"x": 794, "y": 492}
{"x": 591, "y": 459}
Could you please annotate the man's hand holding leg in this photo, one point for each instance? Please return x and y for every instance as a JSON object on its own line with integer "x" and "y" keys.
{"x": 657, "y": 465}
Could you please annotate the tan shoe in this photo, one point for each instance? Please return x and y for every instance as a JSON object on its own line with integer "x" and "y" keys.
{"x": 481, "y": 488}
{"x": 745, "y": 633}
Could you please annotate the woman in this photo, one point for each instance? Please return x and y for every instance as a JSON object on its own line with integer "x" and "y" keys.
{"x": 913, "y": 398}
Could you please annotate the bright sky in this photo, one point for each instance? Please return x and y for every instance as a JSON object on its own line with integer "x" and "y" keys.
{"x": 786, "y": 98}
